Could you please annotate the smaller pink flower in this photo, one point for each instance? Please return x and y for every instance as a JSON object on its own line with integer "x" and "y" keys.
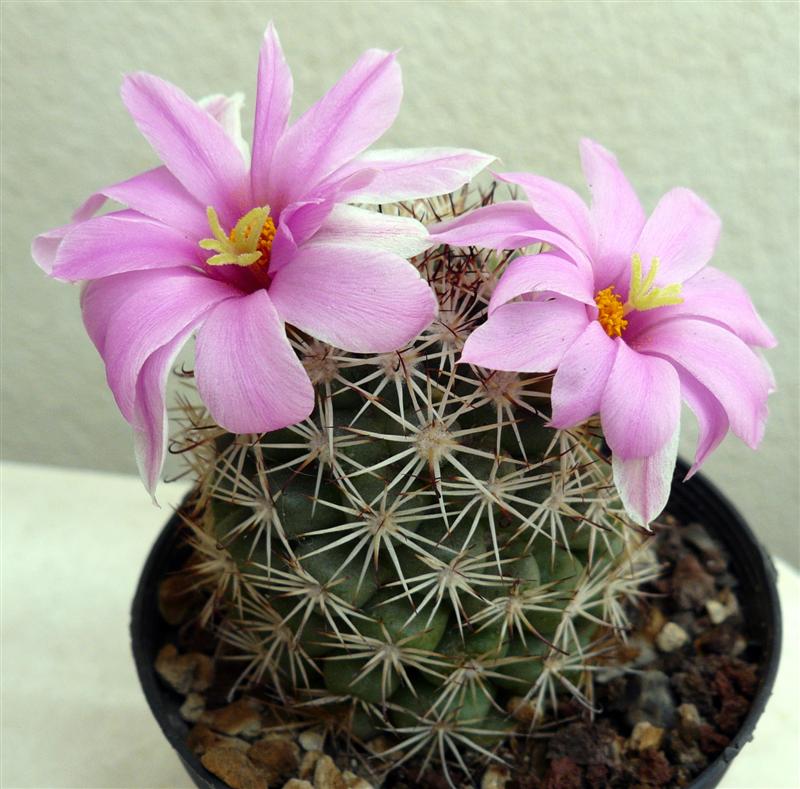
{"x": 628, "y": 314}
{"x": 231, "y": 247}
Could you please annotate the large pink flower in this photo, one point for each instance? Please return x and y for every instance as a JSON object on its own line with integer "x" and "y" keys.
{"x": 231, "y": 250}
{"x": 628, "y": 314}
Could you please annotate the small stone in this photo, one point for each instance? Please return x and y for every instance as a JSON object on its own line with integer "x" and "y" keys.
{"x": 327, "y": 775}
{"x": 276, "y": 756}
{"x": 202, "y": 739}
{"x": 233, "y": 767}
{"x": 354, "y": 781}
{"x": 308, "y": 763}
{"x": 671, "y": 637}
{"x": 655, "y": 621}
{"x": 237, "y": 719}
{"x": 311, "y": 740}
{"x": 689, "y": 716}
{"x": 722, "y": 607}
{"x": 653, "y": 701}
{"x": 296, "y": 783}
{"x": 495, "y": 777}
{"x": 184, "y": 673}
{"x": 692, "y": 586}
{"x": 645, "y": 736}
{"x": 520, "y": 709}
{"x": 193, "y": 708}
{"x": 176, "y": 593}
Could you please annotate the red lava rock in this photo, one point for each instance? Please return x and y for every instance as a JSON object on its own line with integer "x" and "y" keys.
{"x": 653, "y": 769}
{"x": 733, "y": 710}
{"x": 563, "y": 774}
{"x": 691, "y": 584}
{"x": 711, "y": 741}
{"x": 745, "y": 675}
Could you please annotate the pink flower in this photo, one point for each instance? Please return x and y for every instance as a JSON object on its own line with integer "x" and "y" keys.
{"x": 628, "y": 314}
{"x": 230, "y": 250}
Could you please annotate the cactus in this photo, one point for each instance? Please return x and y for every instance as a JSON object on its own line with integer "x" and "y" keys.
{"x": 423, "y": 548}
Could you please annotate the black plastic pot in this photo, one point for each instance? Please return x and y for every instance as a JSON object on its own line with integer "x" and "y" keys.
{"x": 697, "y": 500}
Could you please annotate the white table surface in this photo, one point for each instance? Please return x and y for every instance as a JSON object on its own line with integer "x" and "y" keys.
{"x": 73, "y": 715}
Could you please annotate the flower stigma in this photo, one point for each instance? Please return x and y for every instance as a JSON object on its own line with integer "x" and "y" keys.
{"x": 642, "y": 295}
{"x": 248, "y": 244}
{"x": 610, "y": 312}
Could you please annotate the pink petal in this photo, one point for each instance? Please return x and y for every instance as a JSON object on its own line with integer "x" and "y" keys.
{"x": 353, "y": 226}
{"x": 227, "y": 112}
{"x": 681, "y": 232}
{"x": 499, "y": 226}
{"x": 149, "y": 420}
{"x": 345, "y": 121}
{"x": 526, "y": 336}
{"x": 641, "y": 404}
{"x": 722, "y": 363}
{"x": 408, "y": 173}
{"x": 715, "y": 296}
{"x": 247, "y": 373}
{"x": 195, "y": 148}
{"x": 644, "y": 484}
{"x": 712, "y": 420}
{"x": 581, "y": 377}
{"x": 358, "y": 299}
{"x": 558, "y": 206}
{"x": 118, "y": 242}
{"x": 130, "y": 316}
{"x": 45, "y": 247}
{"x": 273, "y": 103}
{"x": 298, "y": 222}
{"x": 158, "y": 194}
{"x": 542, "y": 273}
{"x": 617, "y": 217}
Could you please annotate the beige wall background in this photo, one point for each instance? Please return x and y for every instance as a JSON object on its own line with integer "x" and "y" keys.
{"x": 698, "y": 94}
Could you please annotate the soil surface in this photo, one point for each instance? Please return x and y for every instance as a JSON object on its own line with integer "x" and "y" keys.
{"x": 688, "y": 679}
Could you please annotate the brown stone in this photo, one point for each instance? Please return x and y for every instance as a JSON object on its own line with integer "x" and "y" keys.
{"x": 184, "y": 673}
{"x": 521, "y": 710}
{"x": 353, "y": 781}
{"x": 308, "y": 763}
{"x": 193, "y": 708}
{"x": 276, "y": 756}
{"x": 327, "y": 775}
{"x": 201, "y": 739}
{"x": 495, "y": 777}
{"x": 645, "y": 736}
{"x": 233, "y": 767}
{"x": 296, "y": 783}
{"x": 240, "y": 718}
{"x": 176, "y": 593}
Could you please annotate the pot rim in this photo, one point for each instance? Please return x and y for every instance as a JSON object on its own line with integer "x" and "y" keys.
{"x": 698, "y": 499}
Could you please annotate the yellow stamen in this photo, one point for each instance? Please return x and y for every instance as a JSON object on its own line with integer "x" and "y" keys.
{"x": 249, "y": 242}
{"x": 643, "y": 296}
{"x": 610, "y": 312}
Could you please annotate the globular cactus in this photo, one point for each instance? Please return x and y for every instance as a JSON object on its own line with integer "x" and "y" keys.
{"x": 424, "y": 547}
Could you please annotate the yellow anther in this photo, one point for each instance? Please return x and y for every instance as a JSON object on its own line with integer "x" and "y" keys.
{"x": 643, "y": 296}
{"x": 610, "y": 312}
{"x": 249, "y": 242}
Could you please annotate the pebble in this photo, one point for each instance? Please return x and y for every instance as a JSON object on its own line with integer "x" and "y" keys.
{"x": 496, "y": 777}
{"x": 645, "y": 736}
{"x": 311, "y": 740}
{"x": 276, "y": 756}
{"x": 296, "y": 783}
{"x": 241, "y": 718}
{"x": 193, "y": 708}
{"x": 689, "y": 716}
{"x": 520, "y": 709}
{"x": 184, "y": 673}
{"x": 721, "y": 608}
{"x": 233, "y": 767}
{"x": 353, "y": 781}
{"x": 671, "y": 637}
{"x": 653, "y": 701}
{"x": 327, "y": 775}
{"x": 308, "y": 763}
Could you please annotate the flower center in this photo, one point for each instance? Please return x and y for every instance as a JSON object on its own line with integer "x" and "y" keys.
{"x": 610, "y": 312}
{"x": 248, "y": 244}
{"x": 642, "y": 295}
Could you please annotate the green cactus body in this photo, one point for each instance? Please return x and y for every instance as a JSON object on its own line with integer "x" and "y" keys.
{"x": 423, "y": 547}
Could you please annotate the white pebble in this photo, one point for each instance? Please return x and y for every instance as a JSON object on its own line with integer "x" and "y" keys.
{"x": 311, "y": 740}
{"x": 671, "y": 637}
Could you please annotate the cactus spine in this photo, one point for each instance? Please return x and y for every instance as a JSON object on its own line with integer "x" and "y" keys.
{"x": 423, "y": 547}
